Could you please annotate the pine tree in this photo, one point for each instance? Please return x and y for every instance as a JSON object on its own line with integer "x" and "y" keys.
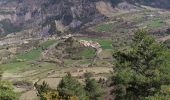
{"x": 69, "y": 86}
{"x": 141, "y": 70}
{"x": 41, "y": 89}
{"x": 93, "y": 89}
{"x": 44, "y": 92}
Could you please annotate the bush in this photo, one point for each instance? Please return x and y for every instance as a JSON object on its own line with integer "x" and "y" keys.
{"x": 6, "y": 91}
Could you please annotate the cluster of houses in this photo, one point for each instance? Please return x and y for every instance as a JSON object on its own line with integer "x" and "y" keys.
{"x": 90, "y": 44}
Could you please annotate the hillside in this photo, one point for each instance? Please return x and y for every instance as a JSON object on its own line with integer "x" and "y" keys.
{"x": 69, "y": 49}
{"x": 69, "y": 14}
{"x": 44, "y": 40}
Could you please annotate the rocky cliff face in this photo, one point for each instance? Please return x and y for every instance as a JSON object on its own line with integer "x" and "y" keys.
{"x": 33, "y": 12}
{"x": 70, "y": 13}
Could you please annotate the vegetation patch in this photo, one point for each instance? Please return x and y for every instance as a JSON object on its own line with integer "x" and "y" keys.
{"x": 85, "y": 61}
{"x": 168, "y": 57}
{"x": 104, "y": 27}
{"x": 155, "y": 23}
{"x": 77, "y": 53}
{"x": 87, "y": 52}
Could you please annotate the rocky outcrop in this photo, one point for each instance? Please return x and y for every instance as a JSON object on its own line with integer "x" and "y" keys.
{"x": 105, "y": 8}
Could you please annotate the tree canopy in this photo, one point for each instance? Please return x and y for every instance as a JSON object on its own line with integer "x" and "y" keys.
{"x": 140, "y": 70}
{"x": 69, "y": 86}
{"x": 93, "y": 89}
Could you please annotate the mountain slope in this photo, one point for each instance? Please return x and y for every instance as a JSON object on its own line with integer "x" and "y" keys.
{"x": 67, "y": 13}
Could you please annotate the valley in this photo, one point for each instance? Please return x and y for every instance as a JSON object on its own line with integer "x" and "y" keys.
{"x": 32, "y": 54}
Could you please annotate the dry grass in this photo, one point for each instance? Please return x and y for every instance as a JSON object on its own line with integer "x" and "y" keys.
{"x": 29, "y": 95}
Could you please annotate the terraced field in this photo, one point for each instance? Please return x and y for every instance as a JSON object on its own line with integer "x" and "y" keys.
{"x": 23, "y": 60}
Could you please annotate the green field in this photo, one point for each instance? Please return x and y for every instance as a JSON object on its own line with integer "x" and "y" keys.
{"x": 104, "y": 27}
{"x": 155, "y": 23}
{"x": 34, "y": 53}
{"x": 87, "y": 53}
{"x": 13, "y": 67}
{"x": 23, "y": 60}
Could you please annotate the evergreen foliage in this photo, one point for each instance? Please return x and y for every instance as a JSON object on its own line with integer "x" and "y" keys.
{"x": 93, "y": 89}
{"x": 141, "y": 70}
{"x": 69, "y": 86}
{"x": 6, "y": 90}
